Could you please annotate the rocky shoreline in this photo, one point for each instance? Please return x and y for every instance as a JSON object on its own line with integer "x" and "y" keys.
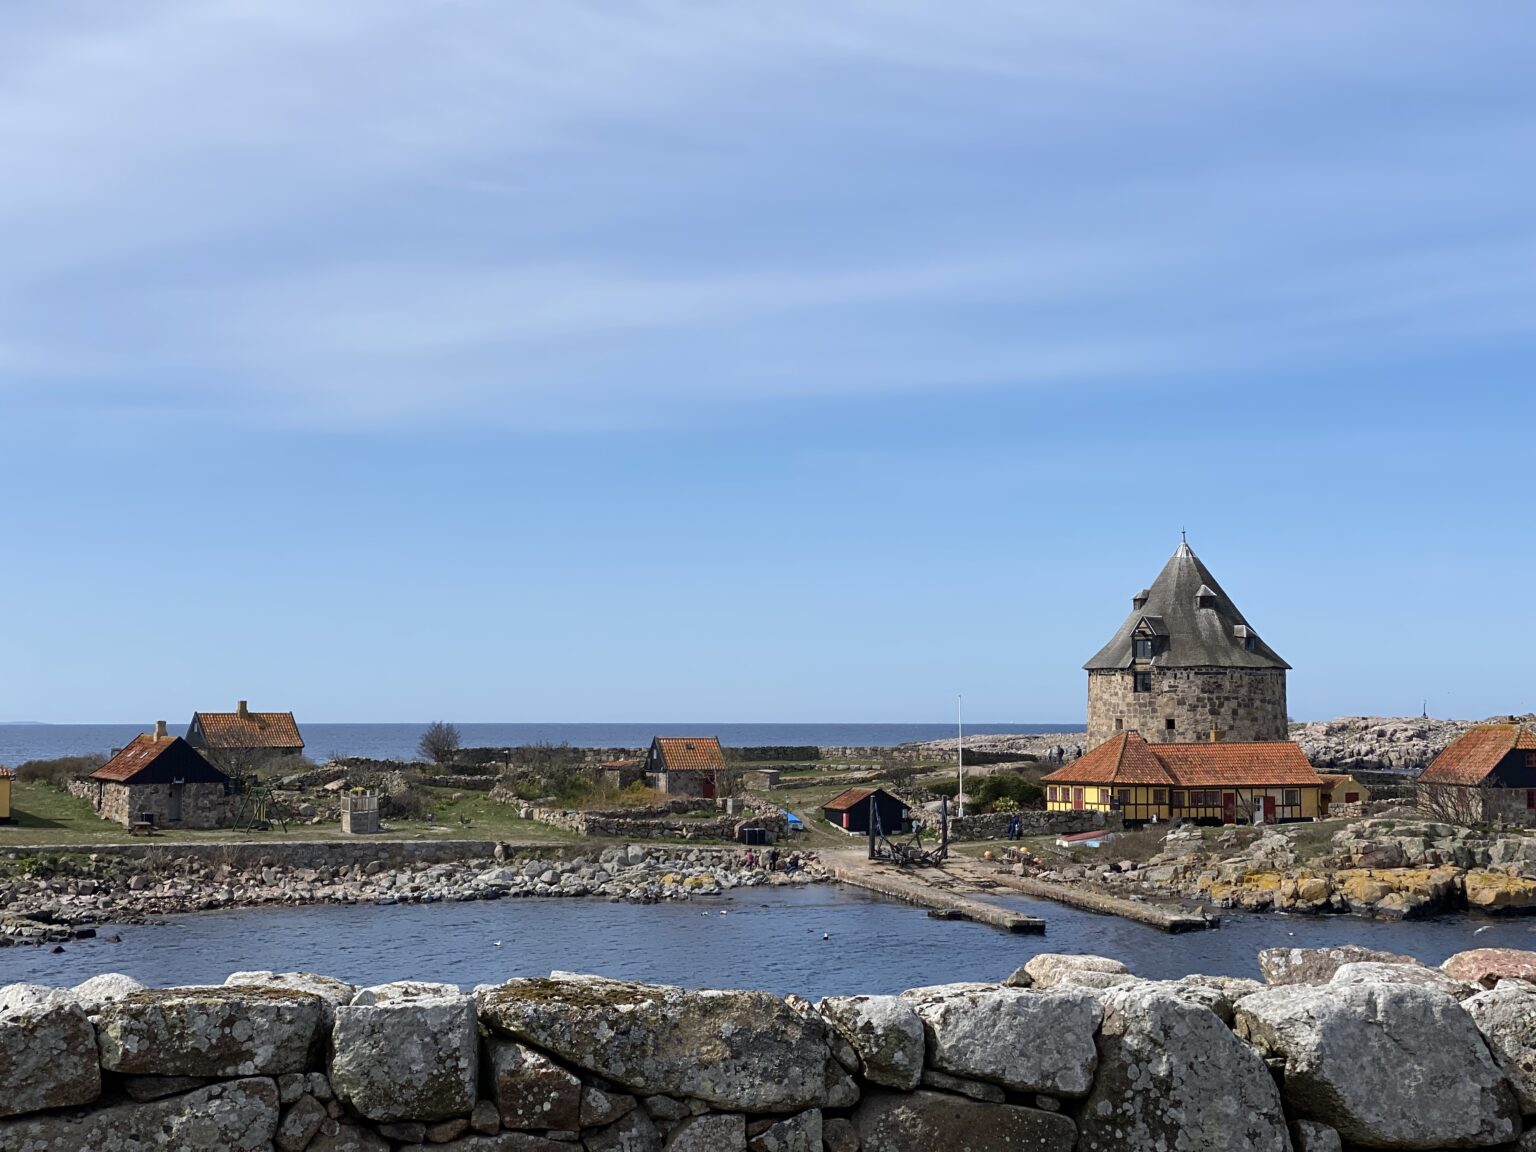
{"x": 1336, "y": 1048}
{"x": 60, "y": 897}
{"x": 1390, "y": 868}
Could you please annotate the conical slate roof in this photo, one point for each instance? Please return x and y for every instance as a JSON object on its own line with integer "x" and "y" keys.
{"x": 1194, "y": 637}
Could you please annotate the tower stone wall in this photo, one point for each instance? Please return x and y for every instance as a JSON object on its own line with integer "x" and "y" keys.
{"x": 1242, "y": 704}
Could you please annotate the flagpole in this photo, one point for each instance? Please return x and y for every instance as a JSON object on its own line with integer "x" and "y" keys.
{"x": 960, "y": 749}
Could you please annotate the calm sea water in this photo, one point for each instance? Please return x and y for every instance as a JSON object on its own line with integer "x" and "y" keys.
{"x": 753, "y": 939}
{"x": 20, "y": 742}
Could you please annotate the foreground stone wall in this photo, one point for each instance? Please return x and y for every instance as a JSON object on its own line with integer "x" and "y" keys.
{"x": 1033, "y": 822}
{"x": 1341, "y": 1048}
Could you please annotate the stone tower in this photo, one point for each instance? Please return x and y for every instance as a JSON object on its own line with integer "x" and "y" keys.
{"x": 1185, "y": 665}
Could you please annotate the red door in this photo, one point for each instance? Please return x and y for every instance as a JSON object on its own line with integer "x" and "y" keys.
{"x": 1229, "y": 807}
{"x": 1077, "y": 799}
{"x": 1269, "y": 809}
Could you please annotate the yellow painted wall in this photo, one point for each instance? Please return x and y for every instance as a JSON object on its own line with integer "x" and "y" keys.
{"x": 5, "y": 797}
{"x": 1141, "y": 805}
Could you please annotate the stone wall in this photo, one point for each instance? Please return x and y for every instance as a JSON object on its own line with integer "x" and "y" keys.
{"x": 1244, "y": 704}
{"x": 202, "y": 805}
{"x": 1069, "y": 1054}
{"x": 994, "y": 825}
{"x": 665, "y": 822}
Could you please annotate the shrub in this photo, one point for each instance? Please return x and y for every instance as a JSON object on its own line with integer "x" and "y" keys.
{"x": 988, "y": 790}
{"x": 440, "y": 742}
{"x": 59, "y": 772}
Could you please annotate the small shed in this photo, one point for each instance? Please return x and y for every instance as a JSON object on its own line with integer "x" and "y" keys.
{"x": 688, "y": 766}
{"x": 160, "y": 780}
{"x": 1340, "y": 790}
{"x": 850, "y": 811}
{"x": 6, "y": 777}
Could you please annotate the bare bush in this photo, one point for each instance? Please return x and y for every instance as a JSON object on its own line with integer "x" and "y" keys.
{"x": 440, "y": 743}
{"x": 1458, "y": 803}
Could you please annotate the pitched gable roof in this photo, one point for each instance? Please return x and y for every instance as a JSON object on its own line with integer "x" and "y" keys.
{"x": 1128, "y": 759}
{"x": 274, "y": 730}
{"x": 1196, "y": 637}
{"x": 690, "y": 753}
{"x": 856, "y": 796}
{"x": 1473, "y": 755}
{"x": 147, "y": 757}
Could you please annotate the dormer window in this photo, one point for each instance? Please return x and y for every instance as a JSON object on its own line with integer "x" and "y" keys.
{"x": 1205, "y": 598}
{"x": 1246, "y": 638}
{"x": 1141, "y": 648}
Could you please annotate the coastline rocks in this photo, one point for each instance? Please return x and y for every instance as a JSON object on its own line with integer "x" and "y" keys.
{"x": 103, "y": 989}
{"x": 406, "y": 1051}
{"x": 47, "y": 1058}
{"x": 209, "y": 1032}
{"x": 1172, "y": 1075}
{"x": 1499, "y": 891}
{"x": 891, "y": 1122}
{"x": 885, "y": 1032}
{"x": 1373, "y": 972}
{"x": 1345, "y": 1049}
{"x": 1487, "y": 966}
{"x": 237, "y": 1116}
{"x": 800, "y": 1133}
{"x": 744, "y": 1050}
{"x": 1280, "y": 966}
{"x": 1018, "y": 1038}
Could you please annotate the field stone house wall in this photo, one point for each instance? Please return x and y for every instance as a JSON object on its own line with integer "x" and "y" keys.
{"x": 1242, "y": 704}
{"x": 1070, "y": 1054}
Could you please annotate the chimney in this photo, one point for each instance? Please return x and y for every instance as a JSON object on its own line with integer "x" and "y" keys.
{"x": 242, "y": 711}
{"x": 1215, "y": 735}
{"x": 160, "y": 732}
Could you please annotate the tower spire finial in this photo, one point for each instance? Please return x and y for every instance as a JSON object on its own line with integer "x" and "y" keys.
{"x": 1183, "y": 536}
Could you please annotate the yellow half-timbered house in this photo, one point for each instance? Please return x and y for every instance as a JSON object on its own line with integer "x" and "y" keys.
{"x": 1267, "y": 782}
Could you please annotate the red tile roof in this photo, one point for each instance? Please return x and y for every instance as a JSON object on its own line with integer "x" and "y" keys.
{"x": 7, "y": 773}
{"x": 845, "y": 800}
{"x": 1471, "y": 756}
{"x": 1128, "y": 759}
{"x": 142, "y": 751}
{"x": 253, "y": 730}
{"x": 691, "y": 753}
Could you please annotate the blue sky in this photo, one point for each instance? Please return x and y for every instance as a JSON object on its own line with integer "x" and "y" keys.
{"x": 488, "y": 361}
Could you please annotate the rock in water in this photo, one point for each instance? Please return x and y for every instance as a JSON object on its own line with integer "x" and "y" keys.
{"x": 1172, "y": 1075}
{"x": 1346, "y": 1049}
{"x": 1317, "y": 965}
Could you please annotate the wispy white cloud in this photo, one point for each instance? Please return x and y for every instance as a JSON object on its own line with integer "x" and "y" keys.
{"x": 577, "y": 213}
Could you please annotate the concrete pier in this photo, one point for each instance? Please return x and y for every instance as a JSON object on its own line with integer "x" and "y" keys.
{"x": 914, "y": 889}
{"x": 1168, "y": 919}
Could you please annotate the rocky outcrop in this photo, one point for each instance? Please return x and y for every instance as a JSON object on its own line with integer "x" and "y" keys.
{"x": 1368, "y": 1053}
{"x": 1318, "y": 965}
{"x": 1488, "y": 966}
{"x": 1385, "y": 743}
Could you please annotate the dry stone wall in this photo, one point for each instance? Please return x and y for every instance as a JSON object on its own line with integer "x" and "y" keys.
{"x": 1342, "y": 1049}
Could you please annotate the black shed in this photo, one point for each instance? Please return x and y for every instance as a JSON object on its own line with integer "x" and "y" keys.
{"x": 850, "y": 811}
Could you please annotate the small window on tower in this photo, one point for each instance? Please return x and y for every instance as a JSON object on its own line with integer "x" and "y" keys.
{"x": 1141, "y": 648}
{"x": 1119, "y": 724}
{"x": 1170, "y": 724}
{"x": 1141, "y": 681}
{"x": 1250, "y": 642}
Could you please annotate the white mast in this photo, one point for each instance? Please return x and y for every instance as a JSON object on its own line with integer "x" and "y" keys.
{"x": 960, "y": 750}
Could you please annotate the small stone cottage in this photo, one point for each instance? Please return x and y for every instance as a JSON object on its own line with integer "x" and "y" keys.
{"x": 688, "y": 766}
{"x": 162, "y": 781}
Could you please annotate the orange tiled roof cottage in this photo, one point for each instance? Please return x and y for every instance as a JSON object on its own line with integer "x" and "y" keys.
{"x": 686, "y": 765}
{"x": 245, "y": 731}
{"x": 1488, "y": 773}
{"x": 1227, "y": 783}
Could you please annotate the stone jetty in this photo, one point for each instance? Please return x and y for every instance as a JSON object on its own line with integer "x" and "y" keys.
{"x": 1338, "y": 1049}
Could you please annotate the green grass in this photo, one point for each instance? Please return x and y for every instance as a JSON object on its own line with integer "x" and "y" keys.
{"x": 45, "y": 815}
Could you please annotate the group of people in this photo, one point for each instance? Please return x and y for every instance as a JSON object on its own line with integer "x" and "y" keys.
{"x": 1058, "y": 754}
{"x": 771, "y": 861}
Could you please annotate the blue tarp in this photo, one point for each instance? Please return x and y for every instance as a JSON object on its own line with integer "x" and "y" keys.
{"x": 794, "y": 821}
